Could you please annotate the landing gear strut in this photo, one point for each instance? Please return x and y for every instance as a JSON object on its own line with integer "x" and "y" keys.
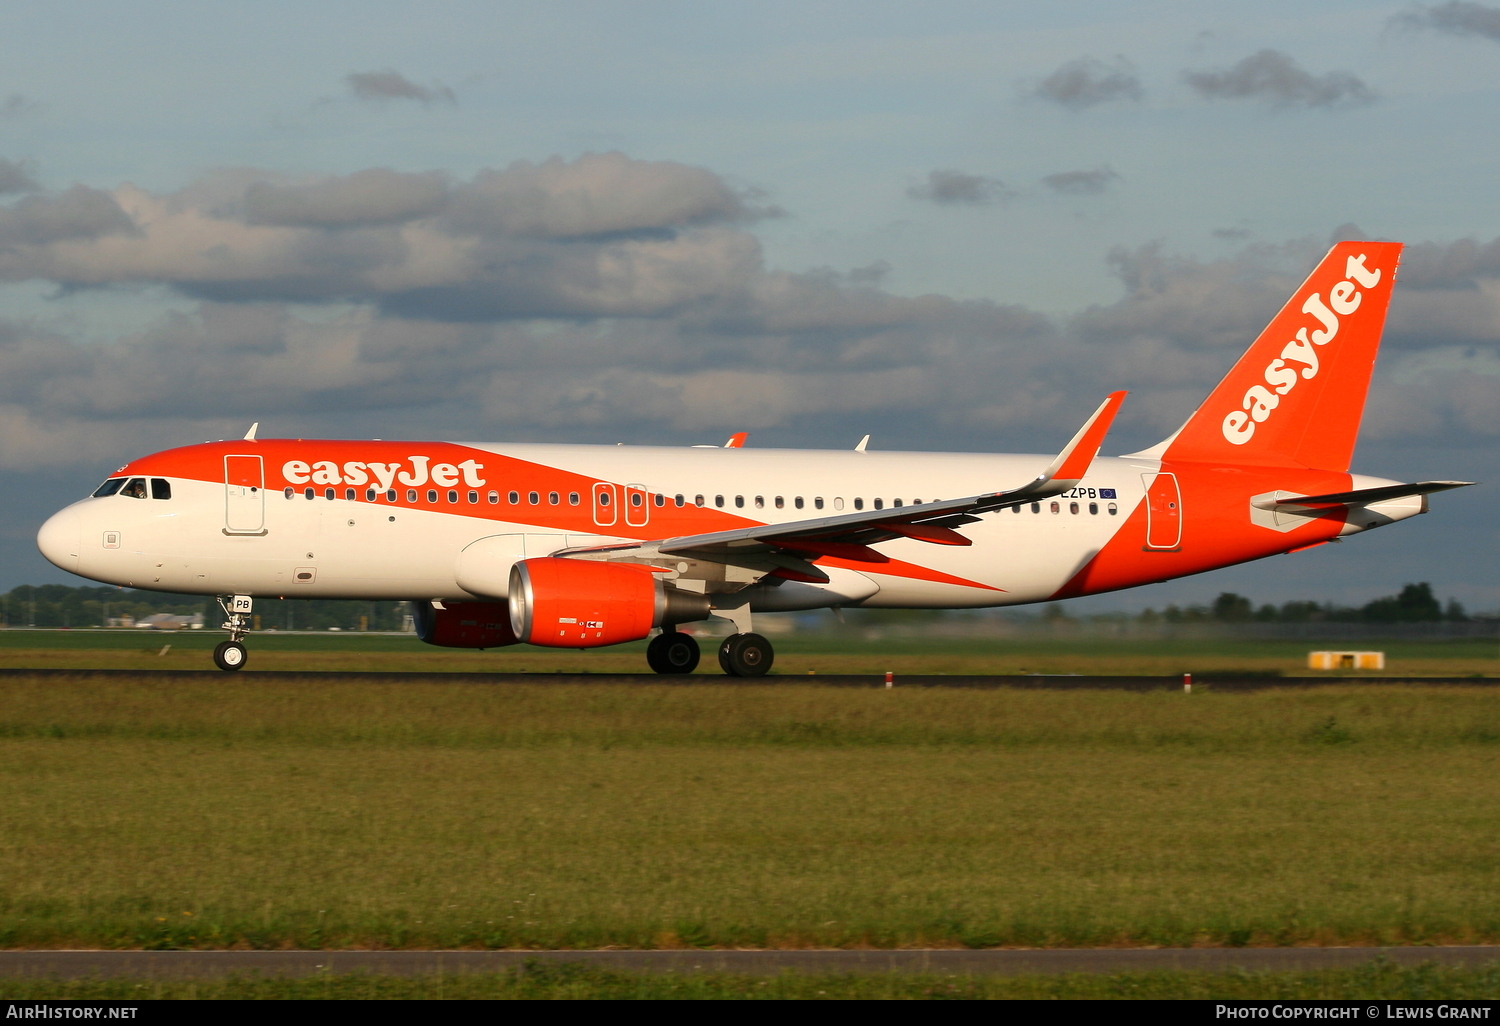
{"x": 746, "y": 655}
{"x": 231, "y": 654}
{"x": 672, "y": 652}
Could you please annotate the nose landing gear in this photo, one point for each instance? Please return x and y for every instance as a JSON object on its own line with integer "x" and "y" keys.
{"x": 231, "y": 654}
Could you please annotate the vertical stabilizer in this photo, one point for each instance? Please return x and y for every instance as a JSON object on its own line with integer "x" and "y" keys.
{"x": 1297, "y": 395}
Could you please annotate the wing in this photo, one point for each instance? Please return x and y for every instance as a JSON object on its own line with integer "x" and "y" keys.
{"x": 789, "y": 548}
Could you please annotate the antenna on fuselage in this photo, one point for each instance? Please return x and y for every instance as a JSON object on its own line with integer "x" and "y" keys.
{"x": 250, "y": 435}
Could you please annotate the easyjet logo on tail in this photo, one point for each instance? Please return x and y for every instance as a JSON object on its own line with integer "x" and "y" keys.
{"x": 1281, "y": 375}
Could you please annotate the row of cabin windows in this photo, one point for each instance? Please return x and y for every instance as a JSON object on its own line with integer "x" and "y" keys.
{"x": 637, "y": 499}
{"x": 162, "y": 490}
{"x": 1073, "y": 508}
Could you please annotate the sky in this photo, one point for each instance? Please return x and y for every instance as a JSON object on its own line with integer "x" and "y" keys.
{"x": 954, "y": 226}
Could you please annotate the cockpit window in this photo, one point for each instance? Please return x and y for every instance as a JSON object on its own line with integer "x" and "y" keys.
{"x": 109, "y": 487}
{"x": 135, "y": 488}
{"x": 161, "y": 488}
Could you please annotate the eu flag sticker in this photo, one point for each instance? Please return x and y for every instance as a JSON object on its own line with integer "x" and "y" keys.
{"x": 1106, "y": 493}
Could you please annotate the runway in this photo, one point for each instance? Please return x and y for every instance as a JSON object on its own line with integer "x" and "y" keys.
{"x": 1200, "y": 682}
{"x": 73, "y": 965}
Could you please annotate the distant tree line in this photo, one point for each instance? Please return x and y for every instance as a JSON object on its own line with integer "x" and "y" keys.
{"x": 58, "y": 605}
{"x": 1414, "y": 604}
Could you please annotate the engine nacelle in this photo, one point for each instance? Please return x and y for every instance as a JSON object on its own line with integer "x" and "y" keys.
{"x": 577, "y": 603}
{"x": 464, "y": 624}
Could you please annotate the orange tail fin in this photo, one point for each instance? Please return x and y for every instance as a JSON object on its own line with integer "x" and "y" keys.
{"x": 1297, "y": 395}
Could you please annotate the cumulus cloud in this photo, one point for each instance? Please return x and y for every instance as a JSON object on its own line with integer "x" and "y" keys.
{"x": 629, "y": 300}
{"x": 1087, "y": 81}
{"x": 1459, "y": 17}
{"x": 600, "y": 235}
{"x": 1276, "y": 78}
{"x": 383, "y": 86}
{"x": 957, "y": 188}
{"x": 1081, "y": 183}
{"x": 78, "y": 214}
{"x": 371, "y": 197}
{"x": 15, "y": 176}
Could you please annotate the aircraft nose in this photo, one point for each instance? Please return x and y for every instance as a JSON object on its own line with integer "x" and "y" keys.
{"x": 58, "y": 539}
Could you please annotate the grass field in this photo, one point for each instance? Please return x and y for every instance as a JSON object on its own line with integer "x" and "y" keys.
{"x": 831, "y": 653}
{"x": 1373, "y": 982}
{"x": 224, "y": 814}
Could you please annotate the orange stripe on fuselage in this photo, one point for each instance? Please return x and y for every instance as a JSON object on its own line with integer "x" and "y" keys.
{"x": 499, "y": 473}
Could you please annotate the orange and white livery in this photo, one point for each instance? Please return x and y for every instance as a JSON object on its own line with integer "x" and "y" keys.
{"x": 581, "y": 546}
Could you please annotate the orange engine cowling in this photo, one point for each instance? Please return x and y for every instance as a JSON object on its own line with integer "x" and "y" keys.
{"x": 575, "y": 603}
{"x": 464, "y": 624}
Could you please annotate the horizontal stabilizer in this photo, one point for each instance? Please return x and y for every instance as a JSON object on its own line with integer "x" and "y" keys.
{"x": 1363, "y": 496}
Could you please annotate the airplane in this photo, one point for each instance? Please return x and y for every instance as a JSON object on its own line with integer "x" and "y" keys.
{"x": 580, "y": 546}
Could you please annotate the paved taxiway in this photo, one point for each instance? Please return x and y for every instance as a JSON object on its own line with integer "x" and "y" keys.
{"x": 199, "y": 964}
{"x": 1220, "y": 682}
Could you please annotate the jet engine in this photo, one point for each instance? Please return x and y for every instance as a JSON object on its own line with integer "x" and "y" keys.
{"x": 576, "y": 603}
{"x": 464, "y": 624}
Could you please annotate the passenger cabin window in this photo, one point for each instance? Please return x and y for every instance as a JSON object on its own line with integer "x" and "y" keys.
{"x": 109, "y": 487}
{"x": 135, "y": 489}
{"x": 635, "y": 498}
{"x": 494, "y": 498}
{"x": 289, "y": 491}
{"x": 390, "y": 496}
{"x": 780, "y": 502}
{"x": 1112, "y": 509}
{"x": 697, "y": 500}
{"x": 432, "y": 495}
{"x": 719, "y": 501}
{"x": 514, "y": 498}
{"x": 350, "y": 494}
{"x": 160, "y": 488}
{"x": 330, "y": 494}
{"x": 473, "y": 497}
{"x": 534, "y": 498}
{"x": 880, "y": 504}
{"x": 411, "y": 495}
{"x": 739, "y": 502}
{"x": 1036, "y": 507}
{"x": 553, "y": 498}
{"x": 760, "y": 502}
{"x": 1056, "y": 507}
{"x": 797, "y": 502}
{"x": 818, "y": 502}
{"x": 679, "y": 500}
{"x": 573, "y": 499}
{"x": 1015, "y": 509}
{"x": 1073, "y": 508}
{"x": 859, "y": 503}
{"x": 369, "y": 494}
{"x": 896, "y": 503}
{"x": 838, "y": 502}
{"x": 453, "y": 496}
{"x": 660, "y": 500}
{"x": 308, "y": 493}
{"x": 1093, "y": 509}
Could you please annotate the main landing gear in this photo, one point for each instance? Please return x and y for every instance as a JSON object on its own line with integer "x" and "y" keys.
{"x": 741, "y": 655}
{"x": 673, "y": 652}
{"x": 746, "y": 655}
{"x": 231, "y": 654}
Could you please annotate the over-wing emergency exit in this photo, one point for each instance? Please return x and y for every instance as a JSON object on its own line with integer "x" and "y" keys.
{"x": 575, "y": 546}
